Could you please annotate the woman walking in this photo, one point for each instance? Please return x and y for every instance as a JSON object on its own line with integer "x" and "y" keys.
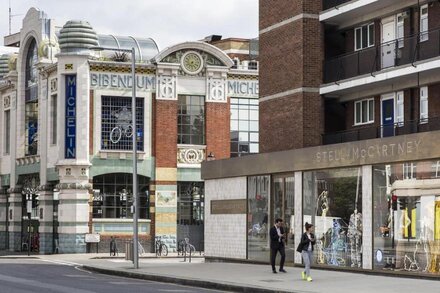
{"x": 306, "y": 248}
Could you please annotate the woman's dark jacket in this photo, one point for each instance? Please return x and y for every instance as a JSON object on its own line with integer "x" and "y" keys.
{"x": 304, "y": 244}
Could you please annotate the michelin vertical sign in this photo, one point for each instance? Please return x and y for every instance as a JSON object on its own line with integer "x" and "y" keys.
{"x": 70, "y": 151}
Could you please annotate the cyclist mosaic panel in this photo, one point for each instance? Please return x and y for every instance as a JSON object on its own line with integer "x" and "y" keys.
{"x": 116, "y": 125}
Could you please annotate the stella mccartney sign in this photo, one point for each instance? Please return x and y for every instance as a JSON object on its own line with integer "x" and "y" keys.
{"x": 405, "y": 148}
{"x": 371, "y": 152}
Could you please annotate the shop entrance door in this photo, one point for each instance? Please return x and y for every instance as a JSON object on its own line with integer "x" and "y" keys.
{"x": 283, "y": 207}
{"x": 190, "y": 213}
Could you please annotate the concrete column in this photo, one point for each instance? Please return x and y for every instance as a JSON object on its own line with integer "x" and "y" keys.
{"x": 73, "y": 217}
{"x": 298, "y": 229}
{"x": 367, "y": 217}
{"x": 15, "y": 218}
{"x": 46, "y": 219}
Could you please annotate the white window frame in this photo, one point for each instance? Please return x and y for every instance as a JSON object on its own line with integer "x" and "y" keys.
{"x": 424, "y": 24}
{"x": 409, "y": 171}
{"x": 359, "y": 29}
{"x": 424, "y": 104}
{"x": 361, "y": 110}
{"x": 400, "y": 29}
{"x": 400, "y": 108}
{"x": 436, "y": 169}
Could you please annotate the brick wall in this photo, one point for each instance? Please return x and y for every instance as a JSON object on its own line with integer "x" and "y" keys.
{"x": 218, "y": 129}
{"x": 281, "y": 59}
{"x": 295, "y": 122}
{"x": 165, "y": 133}
{"x": 434, "y": 15}
{"x": 434, "y": 100}
{"x": 291, "y": 58}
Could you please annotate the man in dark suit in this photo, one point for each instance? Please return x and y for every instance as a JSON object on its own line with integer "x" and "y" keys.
{"x": 277, "y": 238}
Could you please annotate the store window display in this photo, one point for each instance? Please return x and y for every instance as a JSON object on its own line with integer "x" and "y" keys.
{"x": 333, "y": 204}
{"x": 258, "y": 218}
{"x": 406, "y": 218}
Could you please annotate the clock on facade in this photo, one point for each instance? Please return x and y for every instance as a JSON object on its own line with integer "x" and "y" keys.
{"x": 192, "y": 62}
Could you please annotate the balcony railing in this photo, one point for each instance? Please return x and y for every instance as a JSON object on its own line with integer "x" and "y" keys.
{"x": 327, "y": 4}
{"x": 398, "y": 52}
{"x": 414, "y": 126}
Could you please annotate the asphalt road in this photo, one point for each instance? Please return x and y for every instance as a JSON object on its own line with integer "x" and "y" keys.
{"x": 32, "y": 275}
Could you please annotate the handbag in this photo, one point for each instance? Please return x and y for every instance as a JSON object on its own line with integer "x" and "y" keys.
{"x": 300, "y": 247}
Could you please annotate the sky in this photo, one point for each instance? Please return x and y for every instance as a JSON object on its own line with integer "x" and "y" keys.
{"x": 168, "y": 22}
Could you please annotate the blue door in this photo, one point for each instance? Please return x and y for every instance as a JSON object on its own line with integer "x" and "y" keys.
{"x": 388, "y": 117}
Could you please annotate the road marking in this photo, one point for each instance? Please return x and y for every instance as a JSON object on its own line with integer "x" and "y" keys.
{"x": 174, "y": 290}
{"x": 62, "y": 262}
{"x": 126, "y": 283}
{"x": 119, "y": 260}
{"x": 82, "y": 270}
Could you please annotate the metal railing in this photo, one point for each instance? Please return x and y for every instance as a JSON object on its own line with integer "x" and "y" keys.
{"x": 327, "y": 4}
{"x": 398, "y": 52}
{"x": 396, "y": 129}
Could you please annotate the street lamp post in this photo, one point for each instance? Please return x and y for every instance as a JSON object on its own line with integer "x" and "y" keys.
{"x": 29, "y": 212}
{"x": 134, "y": 140}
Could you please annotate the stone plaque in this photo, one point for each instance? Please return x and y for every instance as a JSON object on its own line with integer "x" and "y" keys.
{"x": 231, "y": 206}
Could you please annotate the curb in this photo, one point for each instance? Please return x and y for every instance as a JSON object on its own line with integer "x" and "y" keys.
{"x": 185, "y": 282}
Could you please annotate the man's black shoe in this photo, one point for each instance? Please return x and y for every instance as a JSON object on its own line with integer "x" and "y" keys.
{"x": 275, "y": 272}
{"x": 283, "y": 270}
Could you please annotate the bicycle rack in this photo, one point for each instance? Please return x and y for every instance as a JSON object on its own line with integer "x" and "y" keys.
{"x": 187, "y": 246}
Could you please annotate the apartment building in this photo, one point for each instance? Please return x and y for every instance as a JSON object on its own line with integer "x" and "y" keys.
{"x": 349, "y": 129}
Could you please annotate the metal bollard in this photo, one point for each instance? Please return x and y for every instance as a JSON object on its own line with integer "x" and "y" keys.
{"x": 129, "y": 250}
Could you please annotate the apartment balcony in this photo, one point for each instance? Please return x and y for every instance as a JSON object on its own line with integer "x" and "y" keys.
{"x": 385, "y": 63}
{"x": 344, "y": 13}
{"x": 328, "y": 4}
{"x": 396, "y": 129}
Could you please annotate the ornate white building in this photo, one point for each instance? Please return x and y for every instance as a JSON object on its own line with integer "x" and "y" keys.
{"x": 66, "y": 135}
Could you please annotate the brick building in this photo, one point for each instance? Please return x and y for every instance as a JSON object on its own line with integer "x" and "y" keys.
{"x": 349, "y": 125}
{"x": 66, "y": 134}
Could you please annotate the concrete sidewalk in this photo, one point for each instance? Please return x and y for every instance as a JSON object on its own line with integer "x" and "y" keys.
{"x": 243, "y": 277}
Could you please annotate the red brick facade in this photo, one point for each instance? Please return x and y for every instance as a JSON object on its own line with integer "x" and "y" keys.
{"x": 291, "y": 58}
{"x": 165, "y": 137}
{"x": 218, "y": 130}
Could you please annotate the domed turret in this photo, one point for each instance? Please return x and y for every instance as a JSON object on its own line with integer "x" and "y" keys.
{"x": 77, "y": 36}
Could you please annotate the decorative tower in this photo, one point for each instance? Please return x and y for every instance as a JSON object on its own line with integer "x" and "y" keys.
{"x": 76, "y": 37}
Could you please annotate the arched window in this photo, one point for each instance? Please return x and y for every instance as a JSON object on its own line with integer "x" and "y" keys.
{"x": 31, "y": 100}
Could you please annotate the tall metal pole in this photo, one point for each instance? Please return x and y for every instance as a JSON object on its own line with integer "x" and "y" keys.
{"x": 29, "y": 212}
{"x": 134, "y": 137}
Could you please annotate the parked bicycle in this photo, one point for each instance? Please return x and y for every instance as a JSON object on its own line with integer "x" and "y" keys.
{"x": 161, "y": 247}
